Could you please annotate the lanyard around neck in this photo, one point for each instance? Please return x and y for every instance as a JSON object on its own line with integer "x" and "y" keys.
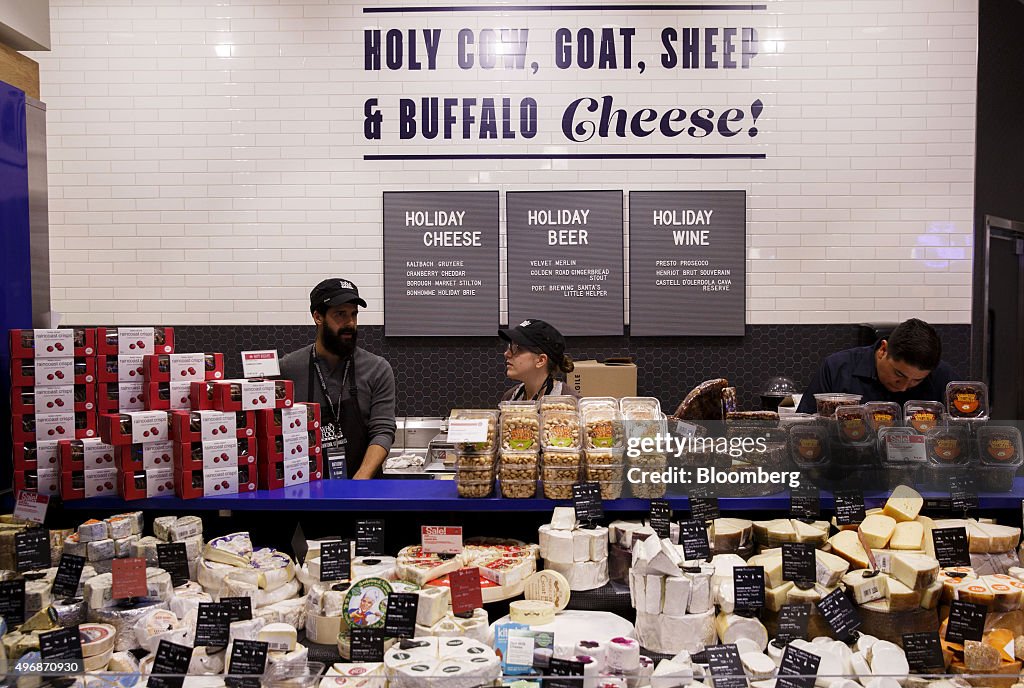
{"x": 334, "y": 409}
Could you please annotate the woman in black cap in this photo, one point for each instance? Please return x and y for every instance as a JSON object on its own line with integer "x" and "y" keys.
{"x": 536, "y": 358}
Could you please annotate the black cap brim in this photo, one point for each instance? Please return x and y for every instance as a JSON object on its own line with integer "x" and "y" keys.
{"x": 340, "y": 300}
{"x": 514, "y": 334}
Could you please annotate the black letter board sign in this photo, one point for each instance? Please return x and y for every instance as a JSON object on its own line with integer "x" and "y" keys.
{"x": 687, "y": 263}
{"x": 440, "y": 256}
{"x": 565, "y": 260}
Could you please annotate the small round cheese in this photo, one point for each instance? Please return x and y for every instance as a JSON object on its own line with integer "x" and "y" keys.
{"x": 532, "y": 612}
{"x": 548, "y": 586}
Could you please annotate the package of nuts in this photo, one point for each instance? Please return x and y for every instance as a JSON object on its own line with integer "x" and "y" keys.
{"x": 924, "y": 415}
{"x": 474, "y": 482}
{"x": 603, "y": 466}
{"x": 830, "y": 401}
{"x": 602, "y": 428}
{"x": 520, "y": 426}
{"x": 587, "y": 403}
{"x": 883, "y": 414}
{"x": 518, "y": 474}
{"x": 476, "y": 417}
{"x": 558, "y": 402}
{"x": 640, "y": 408}
{"x": 463, "y": 460}
{"x": 967, "y": 400}
{"x": 561, "y": 465}
{"x": 560, "y": 429}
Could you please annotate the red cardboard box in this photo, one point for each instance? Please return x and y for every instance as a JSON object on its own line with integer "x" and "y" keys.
{"x": 190, "y": 484}
{"x": 50, "y": 372}
{"x": 276, "y": 474}
{"x": 135, "y": 427}
{"x": 252, "y": 395}
{"x": 200, "y": 426}
{"x": 156, "y": 482}
{"x": 111, "y": 341}
{"x": 289, "y": 446}
{"x": 66, "y": 425}
{"x": 53, "y": 399}
{"x": 72, "y": 485}
{"x": 41, "y": 481}
{"x": 167, "y": 396}
{"x": 100, "y": 482}
{"x": 214, "y": 454}
{"x": 298, "y": 418}
{"x": 88, "y": 454}
{"x": 53, "y": 343}
{"x": 29, "y": 456}
{"x": 132, "y": 458}
{"x": 183, "y": 367}
{"x": 114, "y": 397}
{"x": 124, "y": 368}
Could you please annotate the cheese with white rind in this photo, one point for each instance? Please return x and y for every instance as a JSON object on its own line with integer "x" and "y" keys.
{"x": 876, "y": 530}
{"x": 185, "y": 527}
{"x": 701, "y": 599}
{"x": 677, "y": 595}
{"x": 847, "y": 545}
{"x": 161, "y": 526}
{"x": 563, "y": 518}
{"x": 904, "y": 504}
{"x": 757, "y": 665}
{"x": 829, "y": 568}
{"x": 730, "y": 627}
{"x": 234, "y": 550}
{"x": 916, "y": 571}
{"x": 279, "y": 637}
{"x": 672, "y": 634}
{"x": 532, "y": 612}
{"x": 654, "y": 591}
{"x": 908, "y": 535}
{"x": 433, "y": 603}
{"x": 93, "y": 530}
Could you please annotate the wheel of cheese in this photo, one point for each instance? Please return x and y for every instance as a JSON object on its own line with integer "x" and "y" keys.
{"x": 97, "y": 638}
{"x": 532, "y": 612}
{"x": 548, "y": 586}
{"x": 891, "y": 626}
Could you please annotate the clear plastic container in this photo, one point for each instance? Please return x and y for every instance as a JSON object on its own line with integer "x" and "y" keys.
{"x": 520, "y": 426}
{"x": 519, "y": 489}
{"x": 947, "y": 446}
{"x": 967, "y": 400}
{"x": 899, "y": 468}
{"x": 475, "y": 460}
{"x": 883, "y": 414}
{"x": 474, "y": 482}
{"x": 491, "y": 417}
{"x": 561, "y": 465}
{"x": 518, "y": 471}
{"x": 560, "y": 473}
{"x": 597, "y": 402}
{"x": 602, "y": 428}
{"x": 808, "y": 445}
{"x": 853, "y": 426}
{"x": 644, "y": 427}
{"x": 645, "y": 488}
{"x": 610, "y": 489}
{"x": 1000, "y": 445}
{"x": 830, "y": 401}
{"x": 558, "y": 489}
{"x": 612, "y": 472}
{"x": 752, "y": 419}
{"x": 558, "y": 402}
{"x": 560, "y": 429}
{"x": 640, "y": 408}
{"x": 923, "y": 415}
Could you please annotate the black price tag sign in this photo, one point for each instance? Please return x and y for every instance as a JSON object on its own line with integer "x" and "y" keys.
{"x": 703, "y": 507}
{"x": 924, "y": 653}
{"x": 400, "y": 620}
{"x": 586, "y": 500}
{"x": 367, "y": 645}
{"x": 849, "y": 507}
{"x": 248, "y": 658}
{"x": 32, "y": 549}
{"x": 793, "y": 622}
{"x": 369, "y": 538}
{"x": 299, "y": 545}
{"x": 726, "y": 668}
{"x": 170, "y": 665}
{"x": 963, "y": 493}
{"x": 336, "y": 467}
{"x": 661, "y": 518}
{"x": 951, "y": 547}
{"x": 799, "y": 669}
{"x": 798, "y": 564}
{"x": 12, "y": 602}
{"x": 69, "y": 575}
{"x": 564, "y": 668}
{"x": 64, "y": 644}
{"x": 237, "y": 608}
{"x": 212, "y": 625}
{"x": 805, "y": 502}
{"x": 748, "y": 583}
{"x": 966, "y": 621}
{"x": 693, "y": 535}
{"x": 173, "y": 558}
{"x": 838, "y": 611}
{"x": 335, "y": 561}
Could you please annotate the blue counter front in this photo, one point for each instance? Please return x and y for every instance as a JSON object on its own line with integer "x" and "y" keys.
{"x": 440, "y": 495}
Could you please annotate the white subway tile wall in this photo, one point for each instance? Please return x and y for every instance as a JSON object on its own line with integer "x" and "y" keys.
{"x": 207, "y": 156}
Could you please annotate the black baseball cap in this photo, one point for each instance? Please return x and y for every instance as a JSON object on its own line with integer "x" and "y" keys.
{"x": 334, "y": 292}
{"x": 537, "y": 334}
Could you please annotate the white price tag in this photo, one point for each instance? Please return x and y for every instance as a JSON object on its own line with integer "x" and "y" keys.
{"x": 31, "y": 506}
{"x": 520, "y": 651}
{"x": 260, "y": 363}
{"x": 441, "y": 539}
{"x": 905, "y": 448}
{"x": 468, "y": 430}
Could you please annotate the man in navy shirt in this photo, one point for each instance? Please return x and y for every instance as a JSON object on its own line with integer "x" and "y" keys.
{"x": 907, "y": 365}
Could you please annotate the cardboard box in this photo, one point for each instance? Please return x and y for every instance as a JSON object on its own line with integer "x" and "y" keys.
{"x": 54, "y": 343}
{"x": 609, "y": 378}
{"x": 252, "y": 395}
{"x": 87, "y": 454}
{"x": 156, "y": 482}
{"x": 135, "y": 427}
{"x": 284, "y": 473}
{"x": 31, "y": 400}
{"x": 125, "y": 368}
{"x": 206, "y": 425}
{"x": 66, "y": 425}
{"x": 29, "y": 456}
{"x": 289, "y": 447}
{"x": 145, "y": 457}
{"x": 299, "y": 418}
{"x": 214, "y": 454}
{"x": 183, "y": 367}
{"x": 114, "y": 397}
{"x": 52, "y": 372}
{"x": 167, "y": 396}
{"x": 111, "y": 341}
{"x": 190, "y": 484}
{"x": 41, "y": 481}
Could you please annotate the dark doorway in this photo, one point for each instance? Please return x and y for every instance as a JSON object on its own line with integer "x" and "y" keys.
{"x": 1003, "y": 349}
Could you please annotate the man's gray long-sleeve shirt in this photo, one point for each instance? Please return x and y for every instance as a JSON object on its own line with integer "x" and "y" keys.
{"x": 375, "y": 389}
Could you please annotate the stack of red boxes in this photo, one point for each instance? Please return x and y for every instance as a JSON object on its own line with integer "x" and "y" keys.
{"x": 289, "y": 446}
{"x": 214, "y": 452}
{"x": 139, "y": 438}
{"x": 53, "y": 376}
{"x": 168, "y": 378}
{"x": 87, "y": 467}
{"x": 120, "y": 365}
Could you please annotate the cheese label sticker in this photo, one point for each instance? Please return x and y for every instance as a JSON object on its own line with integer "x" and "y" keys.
{"x": 220, "y": 453}
{"x": 367, "y": 645}
{"x": 129, "y": 578}
{"x": 155, "y": 454}
{"x": 148, "y": 426}
{"x": 100, "y": 481}
{"x": 725, "y": 666}
{"x": 135, "y": 340}
{"x": 849, "y": 507}
{"x": 69, "y": 575}
{"x": 924, "y": 652}
{"x": 212, "y": 625}
{"x": 951, "y": 546}
{"x": 12, "y": 602}
{"x": 173, "y": 558}
{"x": 366, "y": 603}
{"x": 129, "y": 368}
{"x": 55, "y": 343}
{"x": 748, "y": 584}
{"x": 187, "y": 367}
{"x": 466, "y": 593}
{"x": 64, "y": 644}
{"x": 335, "y": 560}
{"x": 966, "y": 621}
{"x": 369, "y": 537}
{"x": 963, "y": 494}
{"x": 798, "y": 562}
{"x": 257, "y": 395}
{"x": 32, "y": 549}
{"x": 170, "y": 665}
{"x": 55, "y": 399}
{"x": 51, "y": 372}
{"x": 793, "y": 622}
{"x": 160, "y": 482}
{"x": 839, "y": 613}
{"x": 693, "y": 536}
{"x": 130, "y": 396}
{"x": 248, "y": 658}
{"x": 216, "y": 425}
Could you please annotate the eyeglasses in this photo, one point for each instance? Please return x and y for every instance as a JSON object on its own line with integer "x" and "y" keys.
{"x": 516, "y": 349}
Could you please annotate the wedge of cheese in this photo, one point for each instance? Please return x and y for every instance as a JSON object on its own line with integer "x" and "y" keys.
{"x": 975, "y": 591}
{"x": 730, "y": 534}
{"x": 776, "y": 530}
{"x": 864, "y": 589}
{"x": 908, "y": 535}
{"x": 876, "y": 530}
{"x": 900, "y": 597}
{"x": 815, "y": 533}
{"x": 984, "y": 538}
{"x": 904, "y": 504}
{"x": 847, "y": 544}
{"x": 916, "y": 571}
{"x": 829, "y": 568}
{"x": 775, "y": 597}
{"x": 234, "y": 549}
{"x": 1006, "y": 595}
{"x": 932, "y": 595}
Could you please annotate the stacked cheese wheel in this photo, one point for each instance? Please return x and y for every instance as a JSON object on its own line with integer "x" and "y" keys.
{"x": 442, "y": 662}
{"x": 505, "y": 566}
{"x": 579, "y": 554}
{"x": 230, "y": 567}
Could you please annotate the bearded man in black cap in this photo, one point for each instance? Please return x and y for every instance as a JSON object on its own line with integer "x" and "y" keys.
{"x": 355, "y": 389}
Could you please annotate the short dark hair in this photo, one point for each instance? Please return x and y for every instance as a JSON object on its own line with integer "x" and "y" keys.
{"x": 916, "y": 343}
